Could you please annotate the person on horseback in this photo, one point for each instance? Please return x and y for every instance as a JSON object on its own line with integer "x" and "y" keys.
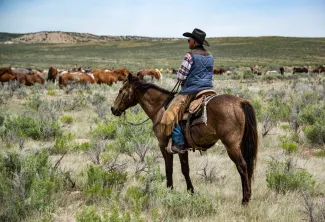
{"x": 194, "y": 75}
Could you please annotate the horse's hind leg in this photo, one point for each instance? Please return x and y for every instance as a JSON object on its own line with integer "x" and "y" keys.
{"x": 236, "y": 156}
{"x": 186, "y": 171}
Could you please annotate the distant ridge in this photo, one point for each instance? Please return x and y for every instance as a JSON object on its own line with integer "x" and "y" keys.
{"x": 68, "y": 37}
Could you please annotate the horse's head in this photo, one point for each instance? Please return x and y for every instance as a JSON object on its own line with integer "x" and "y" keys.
{"x": 126, "y": 97}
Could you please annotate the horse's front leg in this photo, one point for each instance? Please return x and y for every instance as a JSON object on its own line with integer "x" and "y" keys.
{"x": 168, "y": 158}
{"x": 186, "y": 170}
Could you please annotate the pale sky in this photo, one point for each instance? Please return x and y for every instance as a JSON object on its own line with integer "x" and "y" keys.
{"x": 166, "y": 18}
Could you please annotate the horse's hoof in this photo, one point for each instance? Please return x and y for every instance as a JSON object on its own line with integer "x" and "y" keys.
{"x": 244, "y": 203}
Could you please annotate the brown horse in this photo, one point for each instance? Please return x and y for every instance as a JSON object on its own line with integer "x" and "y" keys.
{"x": 171, "y": 71}
{"x": 218, "y": 71}
{"x": 6, "y": 75}
{"x": 81, "y": 78}
{"x": 231, "y": 119}
{"x": 52, "y": 74}
{"x": 29, "y": 80}
{"x": 110, "y": 77}
{"x": 154, "y": 73}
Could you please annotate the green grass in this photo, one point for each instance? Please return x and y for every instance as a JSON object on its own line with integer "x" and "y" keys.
{"x": 137, "y": 54}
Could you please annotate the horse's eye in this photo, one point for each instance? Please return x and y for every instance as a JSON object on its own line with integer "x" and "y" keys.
{"x": 120, "y": 91}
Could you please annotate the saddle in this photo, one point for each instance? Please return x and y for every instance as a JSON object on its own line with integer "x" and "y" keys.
{"x": 195, "y": 114}
{"x": 197, "y": 107}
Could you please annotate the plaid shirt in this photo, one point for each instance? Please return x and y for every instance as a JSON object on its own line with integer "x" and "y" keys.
{"x": 185, "y": 67}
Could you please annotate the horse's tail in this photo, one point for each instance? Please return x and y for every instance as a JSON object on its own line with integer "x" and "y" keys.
{"x": 249, "y": 144}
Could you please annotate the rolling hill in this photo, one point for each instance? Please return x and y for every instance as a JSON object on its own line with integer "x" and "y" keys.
{"x": 65, "y": 49}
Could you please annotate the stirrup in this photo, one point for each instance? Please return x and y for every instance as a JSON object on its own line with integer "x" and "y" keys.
{"x": 173, "y": 149}
{"x": 177, "y": 150}
{"x": 169, "y": 146}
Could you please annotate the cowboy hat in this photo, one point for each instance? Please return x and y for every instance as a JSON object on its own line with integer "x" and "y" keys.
{"x": 198, "y": 35}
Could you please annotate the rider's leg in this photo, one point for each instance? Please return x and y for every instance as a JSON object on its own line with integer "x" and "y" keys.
{"x": 178, "y": 139}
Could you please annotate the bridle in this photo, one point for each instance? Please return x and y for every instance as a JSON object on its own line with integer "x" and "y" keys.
{"x": 165, "y": 104}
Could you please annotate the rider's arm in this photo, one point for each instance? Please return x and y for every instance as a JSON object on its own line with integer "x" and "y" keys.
{"x": 185, "y": 67}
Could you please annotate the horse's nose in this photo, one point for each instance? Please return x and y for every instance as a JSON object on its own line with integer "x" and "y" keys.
{"x": 113, "y": 110}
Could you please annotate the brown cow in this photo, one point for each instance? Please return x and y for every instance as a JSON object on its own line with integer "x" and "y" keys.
{"x": 82, "y": 78}
{"x": 29, "y": 80}
{"x": 154, "y": 73}
{"x": 110, "y": 77}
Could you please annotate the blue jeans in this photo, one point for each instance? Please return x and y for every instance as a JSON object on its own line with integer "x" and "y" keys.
{"x": 178, "y": 136}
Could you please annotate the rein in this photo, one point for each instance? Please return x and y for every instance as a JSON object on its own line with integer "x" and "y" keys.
{"x": 171, "y": 96}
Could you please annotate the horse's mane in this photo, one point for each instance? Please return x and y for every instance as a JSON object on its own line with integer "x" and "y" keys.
{"x": 146, "y": 85}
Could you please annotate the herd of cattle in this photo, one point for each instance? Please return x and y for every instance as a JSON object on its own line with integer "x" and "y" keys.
{"x": 29, "y": 77}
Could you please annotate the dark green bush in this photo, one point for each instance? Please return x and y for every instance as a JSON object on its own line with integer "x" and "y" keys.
{"x": 257, "y": 104}
{"x": 66, "y": 119}
{"x": 183, "y": 204}
{"x": 106, "y": 130}
{"x": 61, "y": 144}
{"x": 28, "y": 185}
{"x": 248, "y": 75}
{"x": 88, "y": 214}
{"x": 24, "y": 126}
{"x": 315, "y": 133}
{"x": 308, "y": 114}
{"x": 288, "y": 145}
{"x": 100, "y": 182}
{"x": 279, "y": 109}
{"x": 284, "y": 176}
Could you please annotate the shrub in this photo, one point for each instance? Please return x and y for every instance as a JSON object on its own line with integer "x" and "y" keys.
{"x": 235, "y": 76}
{"x": 284, "y": 176}
{"x": 61, "y": 144}
{"x": 100, "y": 182}
{"x": 248, "y": 75}
{"x": 308, "y": 114}
{"x": 50, "y": 92}
{"x": 88, "y": 214}
{"x": 34, "y": 102}
{"x": 320, "y": 153}
{"x": 28, "y": 185}
{"x": 129, "y": 137}
{"x": 257, "y": 104}
{"x": 107, "y": 130}
{"x": 279, "y": 109}
{"x": 116, "y": 216}
{"x": 184, "y": 204}
{"x": 288, "y": 145}
{"x": 137, "y": 199}
{"x": 24, "y": 126}
{"x": 82, "y": 147}
{"x": 66, "y": 119}
{"x": 315, "y": 133}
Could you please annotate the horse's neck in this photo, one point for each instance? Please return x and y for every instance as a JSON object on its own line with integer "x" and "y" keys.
{"x": 152, "y": 101}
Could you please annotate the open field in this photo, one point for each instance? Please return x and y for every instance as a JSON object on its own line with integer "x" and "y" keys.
{"x": 134, "y": 55}
{"x": 112, "y": 171}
